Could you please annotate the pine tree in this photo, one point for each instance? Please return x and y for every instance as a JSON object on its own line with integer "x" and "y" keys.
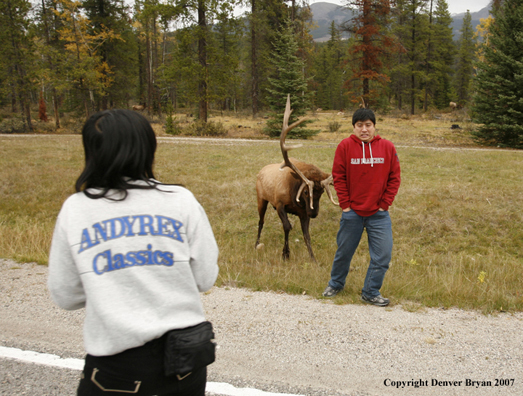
{"x": 16, "y": 49}
{"x": 440, "y": 56}
{"x": 51, "y": 48}
{"x": 444, "y": 53}
{"x": 224, "y": 60}
{"x": 328, "y": 71}
{"x": 336, "y": 51}
{"x": 287, "y": 79}
{"x": 411, "y": 29}
{"x": 265, "y": 20}
{"x": 147, "y": 14}
{"x": 465, "y": 61}
{"x": 497, "y": 103}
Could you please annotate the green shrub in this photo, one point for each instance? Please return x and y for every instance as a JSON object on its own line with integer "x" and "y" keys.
{"x": 13, "y": 125}
{"x": 171, "y": 126}
{"x": 334, "y": 126}
{"x": 201, "y": 128}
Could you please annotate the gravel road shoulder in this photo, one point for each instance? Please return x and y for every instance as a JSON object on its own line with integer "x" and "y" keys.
{"x": 279, "y": 342}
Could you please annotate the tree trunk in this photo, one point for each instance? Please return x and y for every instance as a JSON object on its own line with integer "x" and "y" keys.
{"x": 367, "y": 45}
{"x": 22, "y": 86}
{"x": 254, "y": 66}
{"x": 149, "y": 67}
{"x": 56, "y": 108}
{"x": 413, "y": 77}
{"x": 202, "y": 57}
{"x": 413, "y": 94}
{"x": 13, "y": 98}
{"x": 427, "y": 69}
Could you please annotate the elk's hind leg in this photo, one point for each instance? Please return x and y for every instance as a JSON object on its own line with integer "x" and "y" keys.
{"x": 305, "y": 221}
{"x": 287, "y": 227}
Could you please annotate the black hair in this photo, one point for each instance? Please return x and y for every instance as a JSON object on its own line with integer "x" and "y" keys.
{"x": 363, "y": 115}
{"x": 119, "y": 147}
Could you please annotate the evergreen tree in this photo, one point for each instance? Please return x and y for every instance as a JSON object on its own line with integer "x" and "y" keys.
{"x": 184, "y": 75}
{"x": 51, "y": 48}
{"x": 287, "y": 79}
{"x": 321, "y": 73}
{"x": 265, "y": 20}
{"x": 328, "y": 71}
{"x": 411, "y": 29}
{"x": 498, "y": 104}
{"x": 302, "y": 23}
{"x": 255, "y": 91}
{"x": 428, "y": 82}
{"x": 444, "y": 53}
{"x": 147, "y": 15}
{"x": 181, "y": 72}
{"x": 17, "y": 55}
{"x": 203, "y": 32}
{"x": 465, "y": 61}
{"x": 224, "y": 60}
{"x": 440, "y": 56}
{"x": 336, "y": 52}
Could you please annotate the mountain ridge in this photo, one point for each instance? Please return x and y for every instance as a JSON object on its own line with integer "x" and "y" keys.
{"x": 323, "y": 13}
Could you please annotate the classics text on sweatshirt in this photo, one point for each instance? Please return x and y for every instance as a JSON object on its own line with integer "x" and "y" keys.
{"x": 137, "y": 265}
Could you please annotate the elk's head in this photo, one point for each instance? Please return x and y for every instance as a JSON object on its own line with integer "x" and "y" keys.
{"x": 313, "y": 181}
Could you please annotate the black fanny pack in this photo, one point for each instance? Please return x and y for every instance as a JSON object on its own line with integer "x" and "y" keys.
{"x": 189, "y": 349}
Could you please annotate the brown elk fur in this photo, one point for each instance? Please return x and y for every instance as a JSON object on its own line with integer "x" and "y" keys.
{"x": 138, "y": 107}
{"x": 279, "y": 187}
{"x": 283, "y": 187}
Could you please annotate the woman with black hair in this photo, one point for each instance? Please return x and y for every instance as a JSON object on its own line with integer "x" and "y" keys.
{"x": 135, "y": 253}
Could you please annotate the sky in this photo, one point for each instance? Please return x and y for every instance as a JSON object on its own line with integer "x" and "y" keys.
{"x": 455, "y": 6}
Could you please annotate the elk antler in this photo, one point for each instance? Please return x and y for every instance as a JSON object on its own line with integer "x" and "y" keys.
{"x": 325, "y": 184}
{"x": 285, "y": 148}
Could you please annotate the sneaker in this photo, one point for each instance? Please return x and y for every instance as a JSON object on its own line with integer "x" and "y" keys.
{"x": 330, "y": 292}
{"x": 379, "y": 300}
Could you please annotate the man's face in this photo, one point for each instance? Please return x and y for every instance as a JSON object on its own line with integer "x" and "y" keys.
{"x": 365, "y": 130}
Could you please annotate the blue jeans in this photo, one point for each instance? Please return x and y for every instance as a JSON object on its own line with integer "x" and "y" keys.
{"x": 379, "y": 233}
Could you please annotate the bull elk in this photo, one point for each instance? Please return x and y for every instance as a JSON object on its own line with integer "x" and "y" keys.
{"x": 293, "y": 187}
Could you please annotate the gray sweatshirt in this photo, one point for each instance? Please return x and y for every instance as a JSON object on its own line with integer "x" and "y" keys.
{"x": 137, "y": 265}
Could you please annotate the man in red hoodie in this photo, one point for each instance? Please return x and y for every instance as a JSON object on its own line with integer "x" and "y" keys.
{"x": 366, "y": 173}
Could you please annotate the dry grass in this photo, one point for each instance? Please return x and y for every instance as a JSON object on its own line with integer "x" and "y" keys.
{"x": 456, "y": 220}
{"x": 432, "y": 128}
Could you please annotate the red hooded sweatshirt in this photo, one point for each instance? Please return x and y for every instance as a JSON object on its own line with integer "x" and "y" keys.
{"x": 366, "y": 175}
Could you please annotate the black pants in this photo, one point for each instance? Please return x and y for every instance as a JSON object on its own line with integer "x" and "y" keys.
{"x": 137, "y": 371}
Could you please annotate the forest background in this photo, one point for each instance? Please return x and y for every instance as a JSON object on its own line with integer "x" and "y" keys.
{"x": 75, "y": 57}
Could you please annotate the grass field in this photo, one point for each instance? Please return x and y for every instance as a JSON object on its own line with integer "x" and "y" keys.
{"x": 457, "y": 223}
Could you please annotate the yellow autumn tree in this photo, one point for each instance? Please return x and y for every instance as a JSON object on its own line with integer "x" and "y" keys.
{"x": 482, "y": 36}
{"x": 87, "y": 71}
